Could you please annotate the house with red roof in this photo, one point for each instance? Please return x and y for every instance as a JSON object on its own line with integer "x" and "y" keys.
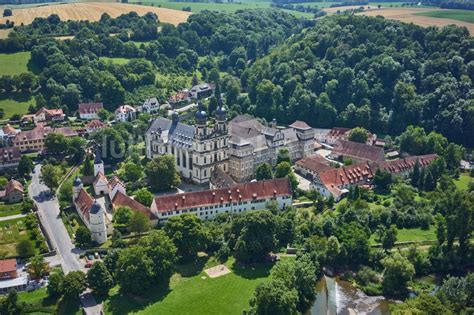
{"x": 88, "y": 111}
{"x": 312, "y": 165}
{"x": 95, "y": 125}
{"x": 45, "y": 115}
{"x": 209, "y": 203}
{"x": 8, "y": 269}
{"x": 13, "y": 192}
{"x": 357, "y": 152}
{"x": 33, "y": 140}
{"x": 125, "y": 113}
{"x": 122, "y": 200}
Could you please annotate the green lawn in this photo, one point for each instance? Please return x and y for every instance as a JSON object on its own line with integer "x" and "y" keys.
{"x": 200, "y": 6}
{"x": 411, "y": 235}
{"x": 7, "y": 210}
{"x": 38, "y": 302}
{"x": 463, "y": 181}
{"x": 459, "y": 15}
{"x": 118, "y": 61}
{"x": 13, "y": 64}
{"x": 16, "y": 103}
{"x": 190, "y": 294}
{"x": 11, "y": 232}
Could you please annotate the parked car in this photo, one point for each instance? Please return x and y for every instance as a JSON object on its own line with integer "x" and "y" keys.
{"x": 88, "y": 265}
{"x": 96, "y": 255}
{"x": 90, "y": 257}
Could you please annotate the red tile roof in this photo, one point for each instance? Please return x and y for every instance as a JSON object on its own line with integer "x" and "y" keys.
{"x": 122, "y": 200}
{"x": 52, "y": 111}
{"x": 84, "y": 203}
{"x": 7, "y": 265}
{"x": 98, "y": 177}
{"x": 348, "y": 175}
{"x": 241, "y": 192}
{"x": 9, "y": 130}
{"x": 315, "y": 163}
{"x": 96, "y": 124}
{"x": 338, "y": 131}
{"x": 125, "y": 109}
{"x": 90, "y": 108}
{"x": 298, "y": 124}
{"x": 359, "y": 151}
{"x": 40, "y": 132}
{"x": 13, "y": 185}
{"x": 407, "y": 164}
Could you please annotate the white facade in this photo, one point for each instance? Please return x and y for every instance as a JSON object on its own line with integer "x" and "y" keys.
{"x": 101, "y": 185}
{"x": 211, "y": 211}
{"x": 125, "y": 113}
{"x": 97, "y": 223}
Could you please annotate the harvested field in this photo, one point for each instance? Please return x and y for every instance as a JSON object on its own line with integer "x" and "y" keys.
{"x": 92, "y": 11}
{"x": 410, "y": 15}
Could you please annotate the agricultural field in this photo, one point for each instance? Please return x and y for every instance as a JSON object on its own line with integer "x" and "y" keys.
{"x": 16, "y": 103}
{"x": 200, "y": 6}
{"x": 190, "y": 286}
{"x": 92, "y": 11}
{"x": 11, "y": 231}
{"x": 414, "y": 15}
{"x": 458, "y": 15}
{"x": 13, "y": 64}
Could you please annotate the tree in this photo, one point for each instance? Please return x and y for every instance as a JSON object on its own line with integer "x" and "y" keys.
{"x": 264, "y": 171}
{"x": 75, "y": 149}
{"x": 187, "y": 234}
{"x": 457, "y": 293}
{"x": 253, "y": 235}
{"x": 333, "y": 249}
{"x": 144, "y": 196}
{"x": 134, "y": 271}
{"x": 415, "y": 175}
{"x": 398, "y": 271}
{"x": 25, "y": 166}
{"x": 429, "y": 182}
{"x": 37, "y": 267}
{"x": 440, "y": 223}
{"x": 55, "y": 285}
{"x": 283, "y": 156}
{"x": 139, "y": 223}
{"x": 389, "y": 237}
{"x": 161, "y": 250}
{"x": 74, "y": 284}
{"x": 83, "y": 237}
{"x": 103, "y": 114}
{"x": 51, "y": 176}
{"x": 122, "y": 216}
{"x": 112, "y": 144}
{"x": 99, "y": 279}
{"x": 7, "y": 12}
{"x": 132, "y": 172}
{"x": 305, "y": 281}
{"x": 88, "y": 167}
{"x": 55, "y": 143}
{"x": 10, "y": 306}
{"x": 382, "y": 180}
{"x": 161, "y": 173}
{"x": 359, "y": 134}
{"x": 283, "y": 169}
{"x": 274, "y": 297}
{"x": 25, "y": 248}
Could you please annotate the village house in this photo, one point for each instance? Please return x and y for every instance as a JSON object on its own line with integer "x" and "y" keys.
{"x": 150, "y": 105}
{"x": 13, "y": 192}
{"x": 357, "y": 152}
{"x": 203, "y": 90}
{"x": 33, "y": 140}
{"x": 179, "y": 99}
{"x": 312, "y": 165}
{"x": 8, "y": 269}
{"x": 336, "y": 182}
{"x": 9, "y": 158}
{"x": 7, "y": 134}
{"x": 95, "y": 125}
{"x": 125, "y": 113}
{"x": 45, "y": 115}
{"x": 89, "y": 111}
{"x": 209, "y": 203}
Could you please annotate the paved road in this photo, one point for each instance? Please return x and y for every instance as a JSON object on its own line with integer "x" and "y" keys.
{"x": 12, "y": 217}
{"x": 48, "y": 211}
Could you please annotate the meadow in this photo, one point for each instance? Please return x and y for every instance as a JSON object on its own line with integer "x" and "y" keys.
{"x": 411, "y": 235}
{"x": 13, "y": 64}
{"x": 192, "y": 292}
{"x": 16, "y": 103}
{"x": 458, "y": 15}
{"x": 11, "y": 231}
{"x": 463, "y": 181}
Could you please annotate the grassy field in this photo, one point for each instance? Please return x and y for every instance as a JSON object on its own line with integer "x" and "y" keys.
{"x": 458, "y": 15}
{"x": 38, "y": 303}
{"x": 192, "y": 292}
{"x": 200, "y": 6}
{"x": 13, "y": 64}
{"x": 117, "y": 61}
{"x": 7, "y": 210}
{"x": 16, "y": 103}
{"x": 411, "y": 235}
{"x": 463, "y": 181}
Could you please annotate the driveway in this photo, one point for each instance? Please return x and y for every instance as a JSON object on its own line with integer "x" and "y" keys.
{"x": 48, "y": 212}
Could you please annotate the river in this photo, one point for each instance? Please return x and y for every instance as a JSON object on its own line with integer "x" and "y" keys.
{"x": 334, "y": 297}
